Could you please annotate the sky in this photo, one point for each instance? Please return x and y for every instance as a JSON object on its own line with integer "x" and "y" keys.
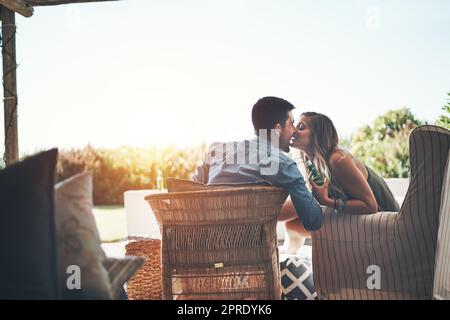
{"x": 144, "y": 73}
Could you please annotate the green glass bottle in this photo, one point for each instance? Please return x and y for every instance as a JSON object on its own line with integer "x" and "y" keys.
{"x": 159, "y": 181}
{"x": 315, "y": 175}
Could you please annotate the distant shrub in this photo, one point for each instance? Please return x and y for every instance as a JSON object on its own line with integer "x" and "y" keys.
{"x": 118, "y": 170}
{"x": 383, "y": 146}
{"x": 444, "y": 120}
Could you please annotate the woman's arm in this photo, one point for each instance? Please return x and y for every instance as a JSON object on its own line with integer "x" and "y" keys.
{"x": 354, "y": 184}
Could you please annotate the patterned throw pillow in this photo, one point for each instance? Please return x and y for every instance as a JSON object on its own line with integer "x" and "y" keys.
{"x": 79, "y": 241}
{"x": 79, "y": 245}
{"x": 296, "y": 279}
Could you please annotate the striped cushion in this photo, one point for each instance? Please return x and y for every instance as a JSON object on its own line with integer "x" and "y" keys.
{"x": 398, "y": 248}
{"x": 441, "y": 286}
{"x": 120, "y": 271}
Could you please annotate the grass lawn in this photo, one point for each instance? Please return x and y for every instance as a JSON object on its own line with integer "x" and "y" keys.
{"x": 111, "y": 223}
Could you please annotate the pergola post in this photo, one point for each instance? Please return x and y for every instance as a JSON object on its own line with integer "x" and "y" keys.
{"x": 9, "y": 85}
{"x": 8, "y": 34}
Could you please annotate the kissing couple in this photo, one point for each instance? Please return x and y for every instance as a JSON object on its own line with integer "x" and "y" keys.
{"x": 349, "y": 186}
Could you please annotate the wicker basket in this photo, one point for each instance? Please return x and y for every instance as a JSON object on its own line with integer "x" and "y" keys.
{"x": 219, "y": 244}
{"x": 146, "y": 283}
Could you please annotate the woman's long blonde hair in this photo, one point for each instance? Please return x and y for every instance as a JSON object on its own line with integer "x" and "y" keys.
{"x": 324, "y": 140}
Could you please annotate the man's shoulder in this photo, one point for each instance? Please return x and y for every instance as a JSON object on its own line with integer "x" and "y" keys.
{"x": 281, "y": 157}
{"x": 257, "y": 153}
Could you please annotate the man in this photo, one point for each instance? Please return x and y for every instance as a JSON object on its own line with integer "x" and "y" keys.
{"x": 263, "y": 159}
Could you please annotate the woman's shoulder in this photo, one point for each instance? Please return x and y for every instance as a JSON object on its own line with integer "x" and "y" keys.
{"x": 343, "y": 163}
{"x": 339, "y": 157}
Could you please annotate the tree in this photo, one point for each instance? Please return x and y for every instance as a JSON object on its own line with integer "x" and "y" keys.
{"x": 383, "y": 146}
{"x": 444, "y": 120}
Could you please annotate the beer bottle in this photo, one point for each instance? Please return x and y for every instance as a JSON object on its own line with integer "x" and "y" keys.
{"x": 159, "y": 181}
{"x": 315, "y": 175}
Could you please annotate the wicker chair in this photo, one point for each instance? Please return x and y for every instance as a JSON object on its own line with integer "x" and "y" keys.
{"x": 219, "y": 243}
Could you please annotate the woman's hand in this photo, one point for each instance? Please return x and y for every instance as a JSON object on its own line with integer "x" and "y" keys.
{"x": 321, "y": 192}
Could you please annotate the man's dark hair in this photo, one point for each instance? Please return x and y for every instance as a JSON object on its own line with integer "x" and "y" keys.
{"x": 269, "y": 111}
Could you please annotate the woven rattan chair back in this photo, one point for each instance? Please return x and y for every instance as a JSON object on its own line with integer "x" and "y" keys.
{"x": 220, "y": 243}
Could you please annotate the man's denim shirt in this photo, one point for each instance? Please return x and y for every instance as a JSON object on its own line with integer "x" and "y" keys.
{"x": 255, "y": 160}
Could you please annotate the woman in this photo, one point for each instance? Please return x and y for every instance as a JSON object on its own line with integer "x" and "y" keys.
{"x": 350, "y": 187}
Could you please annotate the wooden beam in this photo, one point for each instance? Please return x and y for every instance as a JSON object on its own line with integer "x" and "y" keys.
{"x": 55, "y": 2}
{"x": 9, "y": 85}
{"x": 19, "y": 6}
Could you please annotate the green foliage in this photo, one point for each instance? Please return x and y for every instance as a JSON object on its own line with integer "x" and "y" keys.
{"x": 118, "y": 170}
{"x": 346, "y": 142}
{"x": 444, "y": 120}
{"x": 383, "y": 145}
